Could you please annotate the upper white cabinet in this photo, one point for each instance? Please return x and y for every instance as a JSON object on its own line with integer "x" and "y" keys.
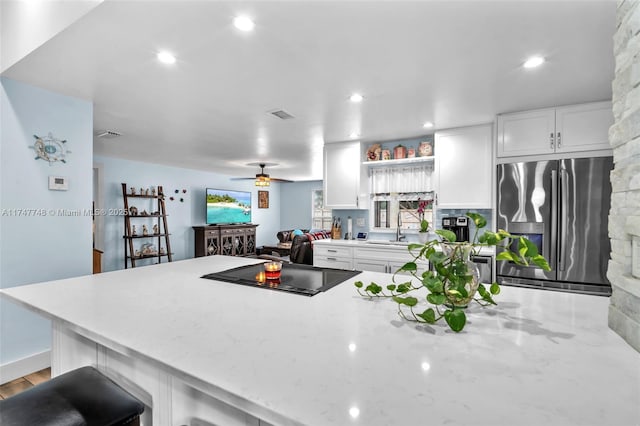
{"x": 464, "y": 163}
{"x": 583, "y": 127}
{"x": 342, "y": 176}
{"x": 573, "y": 128}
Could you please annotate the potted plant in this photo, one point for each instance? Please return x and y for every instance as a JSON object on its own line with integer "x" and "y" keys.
{"x": 423, "y": 231}
{"x": 453, "y": 282}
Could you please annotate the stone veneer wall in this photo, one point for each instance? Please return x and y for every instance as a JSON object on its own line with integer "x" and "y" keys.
{"x": 624, "y": 217}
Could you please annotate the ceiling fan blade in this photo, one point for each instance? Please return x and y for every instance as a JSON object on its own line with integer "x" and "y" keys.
{"x": 262, "y": 174}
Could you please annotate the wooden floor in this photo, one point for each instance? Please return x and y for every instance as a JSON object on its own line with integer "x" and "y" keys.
{"x": 23, "y": 383}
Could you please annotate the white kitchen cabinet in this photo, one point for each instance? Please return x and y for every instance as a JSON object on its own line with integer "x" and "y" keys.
{"x": 332, "y": 256}
{"x": 362, "y": 256}
{"x": 380, "y": 258}
{"x": 583, "y": 127}
{"x": 573, "y": 128}
{"x": 342, "y": 176}
{"x": 464, "y": 163}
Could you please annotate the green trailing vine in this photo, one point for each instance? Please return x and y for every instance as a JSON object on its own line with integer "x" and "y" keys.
{"x": 449, "y": 284}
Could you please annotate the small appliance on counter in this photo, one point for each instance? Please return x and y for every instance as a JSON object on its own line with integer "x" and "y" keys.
{"x": 459, "y": 225}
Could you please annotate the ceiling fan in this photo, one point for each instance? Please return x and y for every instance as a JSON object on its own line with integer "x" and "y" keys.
{"x": 263, "y": 179}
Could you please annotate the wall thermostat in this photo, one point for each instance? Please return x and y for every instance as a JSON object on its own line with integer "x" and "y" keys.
{"x": 362, "y": 236}
{"x": 58, "y": 183}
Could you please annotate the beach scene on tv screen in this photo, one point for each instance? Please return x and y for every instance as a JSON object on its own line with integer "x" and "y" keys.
{"x": 228, "y": 206}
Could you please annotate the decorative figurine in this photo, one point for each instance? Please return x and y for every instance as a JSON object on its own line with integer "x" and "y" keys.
{"x": 144, "y": 213}
{"x": 146, "y": 191}
{"x": 386, "y": 154}
{"x": 374, "y": 152}
{"x": 425, "y": 149}
{"x": 153, "y": 191}
{"x": 156, "y": 230}
{"x": 133, "y": 191}
{"x": 138, "y": 253}
{"x": 134, "y": 232}
{"x": 133, "y": 211}
{"x": 162, "y": 250}
{"x": 148, "y": 249}
{"x": 145, "y": 231}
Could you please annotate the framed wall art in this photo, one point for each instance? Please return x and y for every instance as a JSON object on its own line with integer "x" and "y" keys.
{"x": 263, "y": 199}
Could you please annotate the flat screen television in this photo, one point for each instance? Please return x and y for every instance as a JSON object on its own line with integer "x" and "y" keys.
{"x": 225, "y": 206}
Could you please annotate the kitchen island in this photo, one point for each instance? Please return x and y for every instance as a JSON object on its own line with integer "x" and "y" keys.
{"x": 198, "y": 351}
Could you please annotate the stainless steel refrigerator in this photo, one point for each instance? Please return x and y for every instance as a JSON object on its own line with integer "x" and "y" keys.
{"x": 563, "y": 207}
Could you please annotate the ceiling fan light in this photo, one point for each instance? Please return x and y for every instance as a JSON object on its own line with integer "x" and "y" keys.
{"x": 263, "y": 181}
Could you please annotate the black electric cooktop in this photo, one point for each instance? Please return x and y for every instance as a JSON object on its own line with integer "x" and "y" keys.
{"x": 294, "y": 278}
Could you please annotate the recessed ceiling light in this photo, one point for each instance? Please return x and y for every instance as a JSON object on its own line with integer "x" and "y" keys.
{"x": 354, "y": 135}
{"x": 243, "y": 23}
{"x": 534, "y": 61}
{"x": 356, "y": 97}
{"x": 166, "y": 57}
{"x": 354, "y": 412}
{"x": 427, "y": 125}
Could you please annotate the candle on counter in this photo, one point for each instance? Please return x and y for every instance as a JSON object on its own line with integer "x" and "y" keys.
{"x": 272, "y": 270}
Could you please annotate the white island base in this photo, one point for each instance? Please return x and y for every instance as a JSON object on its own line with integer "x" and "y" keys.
{"x": 170, "y": 398}
{"x": 202, "y": 352}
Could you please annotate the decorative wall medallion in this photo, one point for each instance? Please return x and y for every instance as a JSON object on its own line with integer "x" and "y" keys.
{"x": 50, "y": 149}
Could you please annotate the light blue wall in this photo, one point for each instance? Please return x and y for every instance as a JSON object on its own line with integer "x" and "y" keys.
{"x": 49, "y": 245}
{"x": 181, "y": 215}
{"x": 296, "y": 208}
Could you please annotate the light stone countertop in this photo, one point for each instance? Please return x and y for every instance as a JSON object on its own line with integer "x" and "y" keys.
{"x": 387, "y": 245}
{"x": 538, "y": 358}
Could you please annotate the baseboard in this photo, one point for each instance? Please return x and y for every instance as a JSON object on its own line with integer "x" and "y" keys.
{"x": 24, "y": 366}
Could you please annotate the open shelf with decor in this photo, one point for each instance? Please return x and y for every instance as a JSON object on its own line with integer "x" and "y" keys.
{"x": 135, "y": 226}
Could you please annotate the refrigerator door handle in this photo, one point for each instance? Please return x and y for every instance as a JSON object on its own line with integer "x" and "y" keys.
{"x": 564, "y": 190}
{"x": 553, "y": 243}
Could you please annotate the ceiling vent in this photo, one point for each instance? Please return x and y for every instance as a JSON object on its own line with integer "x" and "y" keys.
{"x": 283, "y": 115}
{"x": 108, "y": 134}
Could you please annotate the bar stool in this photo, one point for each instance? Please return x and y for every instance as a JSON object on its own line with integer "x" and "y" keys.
{"x": 82, "y": 397}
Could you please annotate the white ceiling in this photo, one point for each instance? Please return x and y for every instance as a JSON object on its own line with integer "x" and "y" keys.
{"x": 454, "y": 63}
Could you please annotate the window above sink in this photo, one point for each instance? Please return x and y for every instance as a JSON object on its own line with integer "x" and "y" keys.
{"x": 387, "y": 208}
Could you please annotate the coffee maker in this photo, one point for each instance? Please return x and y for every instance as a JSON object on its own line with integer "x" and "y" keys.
{"x": 458, "y": 225}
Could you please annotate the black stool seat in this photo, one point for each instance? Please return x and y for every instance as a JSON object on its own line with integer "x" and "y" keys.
{"x": 82, "y": 397}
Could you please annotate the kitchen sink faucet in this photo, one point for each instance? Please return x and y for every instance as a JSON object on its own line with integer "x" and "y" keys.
{"x": 399, "y": 236}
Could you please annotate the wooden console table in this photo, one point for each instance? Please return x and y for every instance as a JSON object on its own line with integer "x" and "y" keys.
{"x": 229, "y": 240}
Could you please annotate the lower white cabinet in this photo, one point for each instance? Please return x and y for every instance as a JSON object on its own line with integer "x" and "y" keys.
{"x": 332, "y": 256}
{"x": 362, "y": 256}
{"x": 378, "y": 266}
{"x": 383, "y": 259}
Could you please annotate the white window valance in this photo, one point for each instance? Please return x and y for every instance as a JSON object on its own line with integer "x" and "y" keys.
{"x": 401, "y": 179}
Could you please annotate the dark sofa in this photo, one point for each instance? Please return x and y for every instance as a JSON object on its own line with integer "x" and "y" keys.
{"x": 301, "y": 246}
